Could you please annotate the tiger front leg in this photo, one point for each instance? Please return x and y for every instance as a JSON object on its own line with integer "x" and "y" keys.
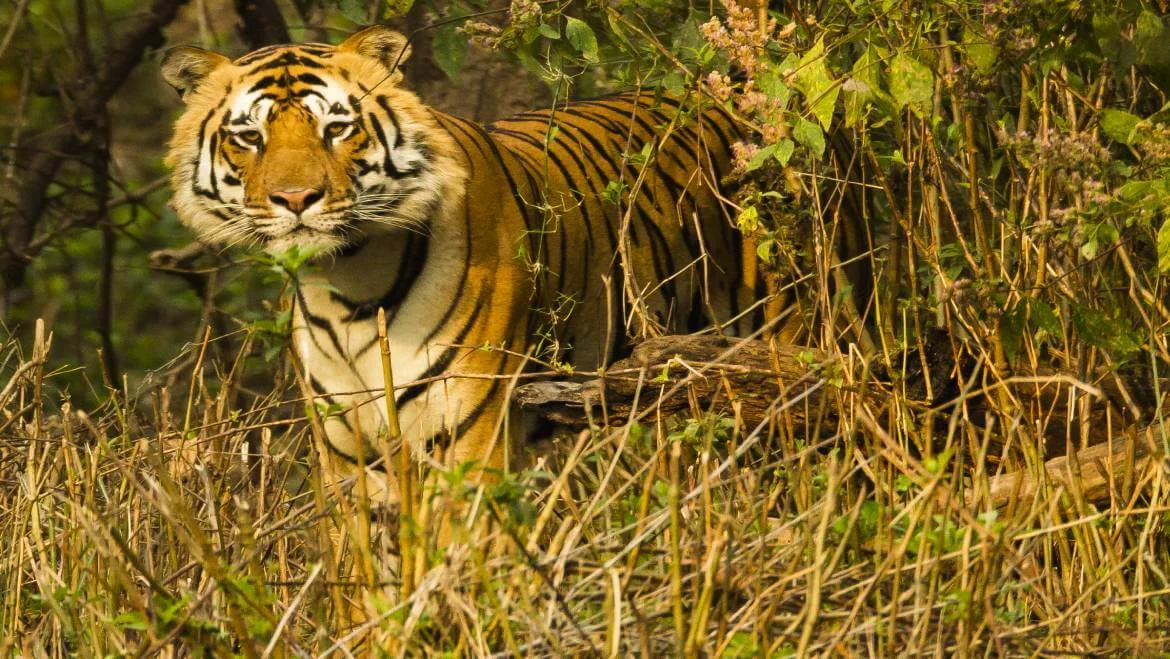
{"x": 454, "y": 498}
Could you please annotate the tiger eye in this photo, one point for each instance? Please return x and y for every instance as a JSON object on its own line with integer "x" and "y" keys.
{"x": 337, "y": 130}
{"x": 249, "y": 137}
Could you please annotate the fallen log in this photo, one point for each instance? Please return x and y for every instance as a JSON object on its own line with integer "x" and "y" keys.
{"x": 1093, "y": 473}
{"x": 669, "y": 374}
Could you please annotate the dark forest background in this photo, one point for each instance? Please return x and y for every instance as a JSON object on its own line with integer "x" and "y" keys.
{"x": 83, "y": 203}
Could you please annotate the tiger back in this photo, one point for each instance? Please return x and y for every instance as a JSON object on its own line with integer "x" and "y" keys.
{"x": 551, "y": 235}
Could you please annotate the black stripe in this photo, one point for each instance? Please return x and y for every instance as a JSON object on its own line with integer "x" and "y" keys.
{"x": 310, "y": 79}
{"x": 321, "y": 322}
{"x": 464, "y": 127}
{"x": 414, "y": 257}
{"x": 442, "y": 438}
{"x": 390, "y": 168}
{"x": 521, "y": 206}
{"x": 198, "y": 158}
{"x": 353, "y": 248}
{"x": 598, "y": 194}
{"x": 387, "y": 163}
{"x": 385, "y": 104}
{"x": 213, "y": 151}
{"x": 462, "y": 277}
{"x": 286, "y": 59}
{"x": 305, "y": 93}
{"x": 436, "y": 368}
{"x": 258, "y": 54}
{"x": 266, "y": 81}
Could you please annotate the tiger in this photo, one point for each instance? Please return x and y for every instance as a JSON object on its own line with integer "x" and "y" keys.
{"x": 544, "y": 237}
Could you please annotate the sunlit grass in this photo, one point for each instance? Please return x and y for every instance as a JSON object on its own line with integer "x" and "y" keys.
{"x": 135, "y": 529}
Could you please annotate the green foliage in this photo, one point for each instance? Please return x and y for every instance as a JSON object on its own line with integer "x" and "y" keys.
{"x": 1119, "y": 125}
{"x": 814, "y": 81}
{"x": 450, "y": 50}
{"x": 581, "y": 37}
{"x": 911, "y": 84}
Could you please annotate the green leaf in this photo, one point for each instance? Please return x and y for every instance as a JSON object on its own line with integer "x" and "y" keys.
{"x": 769, "y": 81}
{"x": 781, "y": 151}
{"x": 450, "y": 50}
{"x": 355, "y": 10}
{"x": 581, "y": 37}
{"x": 741, "y": 644}
{"x": 613, "y": 191}
{"x": 764, "y": 249}
{"x": 760, "y": 157}
{"x": 131, "y": 620}
{"x": 1136, "y": 191}
{"x": 396, "y": 8}
{"x": 863, "y": 83}
{"x": 857, "y": 95}
{"x": 814, "y": 81}
{"x": 674, "y": 83}
{"x": 1164, "y": 247}
{"x": 980, "y": 50}
{"x": 1102, "y": 331}
{"x": 1011, "y": 331}
{"x": 784, "y": 149}
{"x": 912, "y": 84}
{"x": 1149, "y": 26}
{"x": 1045, "y": 318}
{"x": 549, "y": 32}
{"x": 1119, "y": 125}
{"x": 1150, "y": 39}
{"x": 810, "y": 135}
{"x": 748, "y": 219}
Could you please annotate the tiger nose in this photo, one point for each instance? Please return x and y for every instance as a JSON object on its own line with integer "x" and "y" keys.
{"x": 296, "y": 200}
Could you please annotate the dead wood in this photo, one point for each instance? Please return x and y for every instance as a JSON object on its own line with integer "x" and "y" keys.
{"x": 672, "y": 372}
{"x": 669, "y": 374}
{"x": 1093, "y": 474}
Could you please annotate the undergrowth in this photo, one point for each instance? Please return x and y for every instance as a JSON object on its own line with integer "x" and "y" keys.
{"x": 134, "y": 529}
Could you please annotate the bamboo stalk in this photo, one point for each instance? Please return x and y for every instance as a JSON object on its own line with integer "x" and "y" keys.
{"x": 405, "y": 472}
{"x": 673, "y": 495}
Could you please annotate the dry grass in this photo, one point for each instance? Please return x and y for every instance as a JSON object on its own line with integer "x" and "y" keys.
{"x": 134, "y": 532}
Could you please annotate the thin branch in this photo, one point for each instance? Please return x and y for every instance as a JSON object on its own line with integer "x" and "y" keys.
{"x": 17, "y": 16}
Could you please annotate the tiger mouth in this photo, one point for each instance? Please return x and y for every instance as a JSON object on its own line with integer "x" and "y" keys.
{"x": 319, "y": 242}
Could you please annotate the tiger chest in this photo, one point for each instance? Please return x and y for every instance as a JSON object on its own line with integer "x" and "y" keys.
{"x": 342, "y": 365}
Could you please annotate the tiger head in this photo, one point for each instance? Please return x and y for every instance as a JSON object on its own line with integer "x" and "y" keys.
{"x": 310, "y": 145}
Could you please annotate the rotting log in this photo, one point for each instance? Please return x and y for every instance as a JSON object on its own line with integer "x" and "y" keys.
{"x": 669, "y": 372}
{"x": 1093, "y": 473}
{"x": 673, "y": 373}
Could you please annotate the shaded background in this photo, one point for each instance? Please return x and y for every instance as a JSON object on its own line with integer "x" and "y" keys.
{"x": 84, "y": 124}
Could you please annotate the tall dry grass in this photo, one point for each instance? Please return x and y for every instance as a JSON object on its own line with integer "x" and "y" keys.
{"x": 190, "y": 522}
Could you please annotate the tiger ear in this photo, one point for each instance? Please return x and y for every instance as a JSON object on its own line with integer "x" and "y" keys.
{"x": 378, "y": 42}
{"x": 185, "y": 67}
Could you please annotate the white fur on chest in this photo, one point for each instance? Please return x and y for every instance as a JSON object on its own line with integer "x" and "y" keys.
{"x": 343, "y": 361}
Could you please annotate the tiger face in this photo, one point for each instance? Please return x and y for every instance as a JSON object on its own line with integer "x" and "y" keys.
{"x": 310, "y": 146}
